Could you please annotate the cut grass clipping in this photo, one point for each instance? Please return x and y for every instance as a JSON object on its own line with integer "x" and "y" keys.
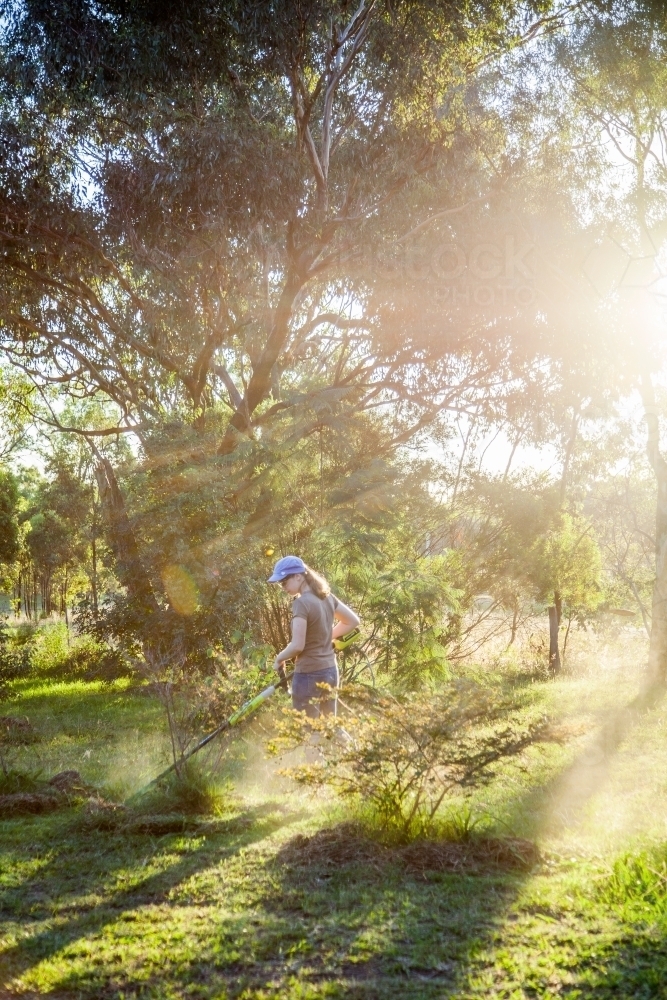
{"x": 349, "y": 843}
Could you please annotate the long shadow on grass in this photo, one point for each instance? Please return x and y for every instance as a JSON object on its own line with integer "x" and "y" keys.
{"x": 375, "y": 930}
{"x": 359, "y": 929}
{"x": 627, "y": 970}
{"x": 427, "y": 934}
{"x": 86, "y": 861}
{"x": 365, "y": 930}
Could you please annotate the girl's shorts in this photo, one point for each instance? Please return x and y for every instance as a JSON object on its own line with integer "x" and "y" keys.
{"x": 313, "y": 700}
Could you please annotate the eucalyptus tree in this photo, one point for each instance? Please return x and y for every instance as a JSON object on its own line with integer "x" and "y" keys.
{"x": 205, "y": 214}
{"x": 215, "y": 229}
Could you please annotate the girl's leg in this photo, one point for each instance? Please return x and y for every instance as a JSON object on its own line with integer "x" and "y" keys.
{"x": 302, "y": 694}
{"x": 328, "y": 706}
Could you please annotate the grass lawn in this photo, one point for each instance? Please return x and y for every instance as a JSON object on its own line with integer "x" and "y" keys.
{"x": 220, "y": 911}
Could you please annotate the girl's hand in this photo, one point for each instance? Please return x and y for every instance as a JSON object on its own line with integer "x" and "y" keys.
{"x": 277, "y": 665}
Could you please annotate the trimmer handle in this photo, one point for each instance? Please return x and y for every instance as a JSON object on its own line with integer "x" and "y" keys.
{"x": 282, "y": 677}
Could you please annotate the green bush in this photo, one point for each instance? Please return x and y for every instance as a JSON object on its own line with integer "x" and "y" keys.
{"x": 405, "y": 763}
{"x": 89, "y": 660}
{"x": 50, "y": 649}
{"x": 22, "y": 633}
{"x": 14, "y": 658}
{"x": 193, "y": 792}
{"x": 14, "y": 663}
{"x": 48, "y": 646}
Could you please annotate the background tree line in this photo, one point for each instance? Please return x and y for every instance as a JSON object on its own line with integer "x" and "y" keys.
{"x": 224, "y": 236}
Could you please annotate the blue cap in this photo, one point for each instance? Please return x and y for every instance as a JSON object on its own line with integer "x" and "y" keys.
{"x": 285, "y": 567}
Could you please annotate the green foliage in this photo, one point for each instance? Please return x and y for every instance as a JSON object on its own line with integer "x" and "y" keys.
{"x": 59, "y": 554}
{"x": 13, "y": 780}
{"x": 412, "y": 610}
{"x": 18, "y": 405}
{"x": 359, "y": 520}
{"x": 201, "y": 81}
{"x": 502, "y": 520}
{"x": 521, "y": 546}
{"x": 401, "y": 761}
{"x": 255, "y": 402}
{"x": 192, "y": 791}
{"x": 89, "y": 660}
{"x": 637, "y": 880}
{"x": 9, "y": 531}
{"x": 566, "y": 560}
{"x": 370, "y": 543}
{"x": 49, "y": 649}
{"x": 15, "y": 659}
{"x": 48, "y": 646}
{"x": 622, "y": 510}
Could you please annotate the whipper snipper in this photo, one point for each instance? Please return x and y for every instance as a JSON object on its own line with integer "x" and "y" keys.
{"x": 247, "y": 709}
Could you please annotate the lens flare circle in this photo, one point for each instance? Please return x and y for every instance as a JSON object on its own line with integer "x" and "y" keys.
{"x": 181, "y": 589}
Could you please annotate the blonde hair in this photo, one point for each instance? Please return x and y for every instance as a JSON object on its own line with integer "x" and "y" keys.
{"x": 317, "y": 583}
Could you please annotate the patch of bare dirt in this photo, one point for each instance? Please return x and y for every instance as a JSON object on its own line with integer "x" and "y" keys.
{"x": 347, "y": 844}
{"x": 61, "y": 791}
{"x": 29, "y": 803}
{"x": 71, "y": 783}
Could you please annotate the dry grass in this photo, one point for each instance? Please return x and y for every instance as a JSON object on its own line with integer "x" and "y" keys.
{"x": 347, "y": 843}
{"x": 608, "y": 646}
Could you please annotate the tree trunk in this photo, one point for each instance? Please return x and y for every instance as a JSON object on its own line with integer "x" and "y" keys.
{"x": 515, "y": 623}
{"x": 554, "y": 652}
{"x": 558, "y": 602}
{"x": 556, "y": 610}
{"x": 567, "y": 634}
{"x": 260, "y": 382}
{"x": 129, "y": 567}
{"x": 93, "y": 575}
{"x": 65, "y": 602}
{"x": 657, "y": 659}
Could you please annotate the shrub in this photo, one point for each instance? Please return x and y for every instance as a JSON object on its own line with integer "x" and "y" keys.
{"x": 192, "y": 792}
{"x": 403, "y": 760}
{"x": 89, "y": 660}
{"x": 414, "y": 613}
{"x": 14, "y": 659}
{"x": 195, "y": 702}
{"x": 48, "y": 645}
{"x": 50, "y": 649}
{"x": 14, "y": 663}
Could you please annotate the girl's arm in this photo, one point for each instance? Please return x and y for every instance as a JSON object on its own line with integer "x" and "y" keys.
{"x": 346, "y": 619}
{"x": 295, "y": 646}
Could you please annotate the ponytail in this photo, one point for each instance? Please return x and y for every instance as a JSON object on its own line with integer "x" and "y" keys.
{"x": 317, "y": 583}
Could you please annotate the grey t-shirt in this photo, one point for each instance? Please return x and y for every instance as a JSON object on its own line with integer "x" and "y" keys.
{"x": 318, "y": 653}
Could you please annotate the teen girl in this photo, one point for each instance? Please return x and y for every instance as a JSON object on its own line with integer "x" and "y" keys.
{"x": 314, "y": 611}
